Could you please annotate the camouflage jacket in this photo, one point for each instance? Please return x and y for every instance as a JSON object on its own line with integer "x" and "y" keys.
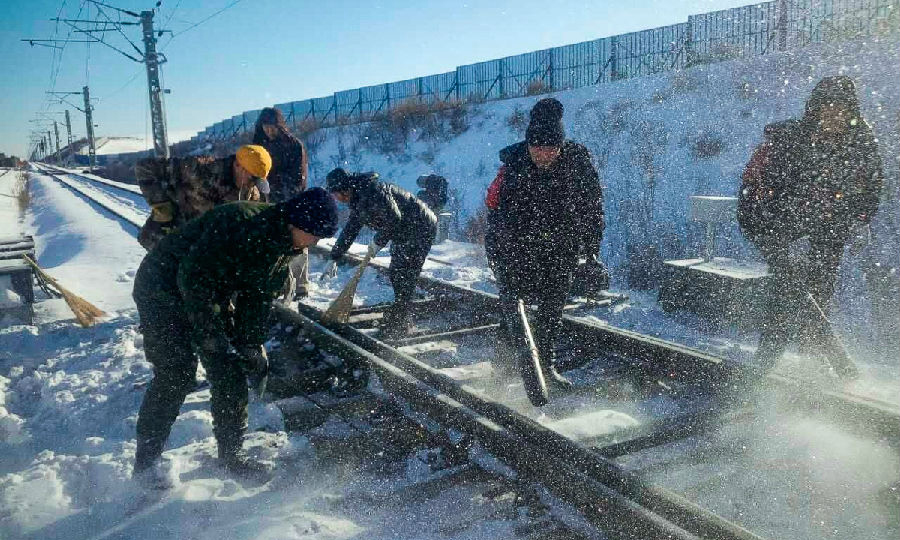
{"x": 237, "y": 254}
{"x": 181, "y": 189}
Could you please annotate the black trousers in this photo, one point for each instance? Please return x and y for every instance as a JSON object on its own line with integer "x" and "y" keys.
{"x": 544, "y": 284}
{"x": 407, "y": 260}
{"x": 794, "y": 285}
{"x": 167, "y": 345}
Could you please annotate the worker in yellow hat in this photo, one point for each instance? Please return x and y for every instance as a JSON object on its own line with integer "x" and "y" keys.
{"x": 181, "y": 189}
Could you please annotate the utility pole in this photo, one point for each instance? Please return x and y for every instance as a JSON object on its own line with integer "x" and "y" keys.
{"x": 89, "y": 120}
{"x": 95, "y": 30}
{"x": 49, "y": 143}
{"x": 56, "y": 132}
{"x": 157, "y": 111}
{"x": 69, "y": 129}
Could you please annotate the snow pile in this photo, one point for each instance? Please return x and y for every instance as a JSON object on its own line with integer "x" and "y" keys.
{"x": 8, "y": 297}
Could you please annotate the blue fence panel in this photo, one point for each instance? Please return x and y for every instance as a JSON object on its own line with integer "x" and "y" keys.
{"x": 440, "y": 87}
{"x": 479, "y": 81}
{"x": 347, "y": 104}
{"x": 374, "y": 99}
{"x": 733, "y": 33}
{"x": 403, "y": 91}
{"x": 525, "y": 74}
{"x": 302, "y": 110}
{"x": 287, "y": 111}
{"x": 322, "y": 109}
{"x": 237, "y": 124}
{"x": 575, "y": 66}
{"x": 250, "y": 118}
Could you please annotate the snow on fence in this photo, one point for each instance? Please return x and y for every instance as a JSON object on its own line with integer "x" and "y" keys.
{"x": 751, "y": 30}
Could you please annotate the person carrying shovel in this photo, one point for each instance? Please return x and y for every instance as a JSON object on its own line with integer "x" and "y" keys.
{"x": 809, "y": 189}
{"x": 397, "y": 217}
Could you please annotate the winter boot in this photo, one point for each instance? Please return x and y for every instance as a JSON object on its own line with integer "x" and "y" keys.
{"x": 395, "y": 323}
{"x": 836, "y": 357}
{"x": 301, "y": 291}
{"x": 158, "y": 475}
{"x": 556, "y": 379}
{"x": 242, "y": 467}
{"x": 547, "y": 354}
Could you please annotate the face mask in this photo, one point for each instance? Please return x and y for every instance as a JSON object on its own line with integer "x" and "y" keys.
{"x": 263, "y": 186}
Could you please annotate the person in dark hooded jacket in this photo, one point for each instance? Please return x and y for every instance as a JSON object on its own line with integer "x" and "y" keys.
{"x": 809, "y": 187}
{"x": 397, "y": 217}
{"x": 290, "y": 167}
{"x": 287, "y": 178}
{"x": 545, "y": 210}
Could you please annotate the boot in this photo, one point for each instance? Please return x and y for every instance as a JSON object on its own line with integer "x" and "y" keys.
{"x": 547, "y": 355}
{"x": 835, "y": 356}
{"x": 552, "y": 375}
{"x": 242, "y": 467}
{"x": 158, "y": 475}
{"x": 395, "y": 323}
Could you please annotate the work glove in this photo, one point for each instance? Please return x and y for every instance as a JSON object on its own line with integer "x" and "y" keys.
{"x": 255, "y": 363}
{"x": 330, "y": 271}
{"x": 374, "y": 248}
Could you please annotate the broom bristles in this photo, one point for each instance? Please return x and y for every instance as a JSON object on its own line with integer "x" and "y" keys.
{"x": 339, "y": 310}
{"x": 86, "y": 313}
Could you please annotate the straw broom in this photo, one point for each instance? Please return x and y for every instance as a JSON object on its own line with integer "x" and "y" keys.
{"x": 85, "y": 312}
{"x": 339, "y": 310}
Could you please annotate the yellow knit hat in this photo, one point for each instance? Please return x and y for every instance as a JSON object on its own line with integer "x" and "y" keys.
{"x": 255, "y": 160}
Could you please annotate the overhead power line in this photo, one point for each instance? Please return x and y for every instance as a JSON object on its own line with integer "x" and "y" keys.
{"x": 198, "y": 23}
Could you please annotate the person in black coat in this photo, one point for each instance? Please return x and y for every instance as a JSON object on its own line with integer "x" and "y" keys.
{"x": 397, "y": 217}
{"x": 812, "y": 185}
{"x": 545, "y": 210}
{"x": 287, "y": 178}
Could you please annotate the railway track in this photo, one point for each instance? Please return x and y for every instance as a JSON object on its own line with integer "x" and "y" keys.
{"x": 644, "y": 410}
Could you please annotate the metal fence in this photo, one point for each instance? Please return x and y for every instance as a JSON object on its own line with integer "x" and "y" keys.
{"x": 752, "y": 30}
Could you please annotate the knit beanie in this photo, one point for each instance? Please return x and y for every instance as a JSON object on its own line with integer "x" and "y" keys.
{"x": 338, "y": 180}
{"x": 546, "y": 127}
{"x": 313, "y": 211}
{"x": 254, "y": 159}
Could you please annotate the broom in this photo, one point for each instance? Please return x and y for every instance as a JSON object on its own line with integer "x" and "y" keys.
{"x": 339, "y": 310}
{"x": 85, "y": 312}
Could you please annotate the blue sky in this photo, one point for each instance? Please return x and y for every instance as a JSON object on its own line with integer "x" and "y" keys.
{"x": 261, "y": 52}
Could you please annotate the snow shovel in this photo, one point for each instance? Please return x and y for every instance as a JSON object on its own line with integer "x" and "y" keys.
{"x": 339, "y": 310}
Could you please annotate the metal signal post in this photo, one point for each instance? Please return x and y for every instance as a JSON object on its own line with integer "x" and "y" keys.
{"x": 152, "y": 60}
